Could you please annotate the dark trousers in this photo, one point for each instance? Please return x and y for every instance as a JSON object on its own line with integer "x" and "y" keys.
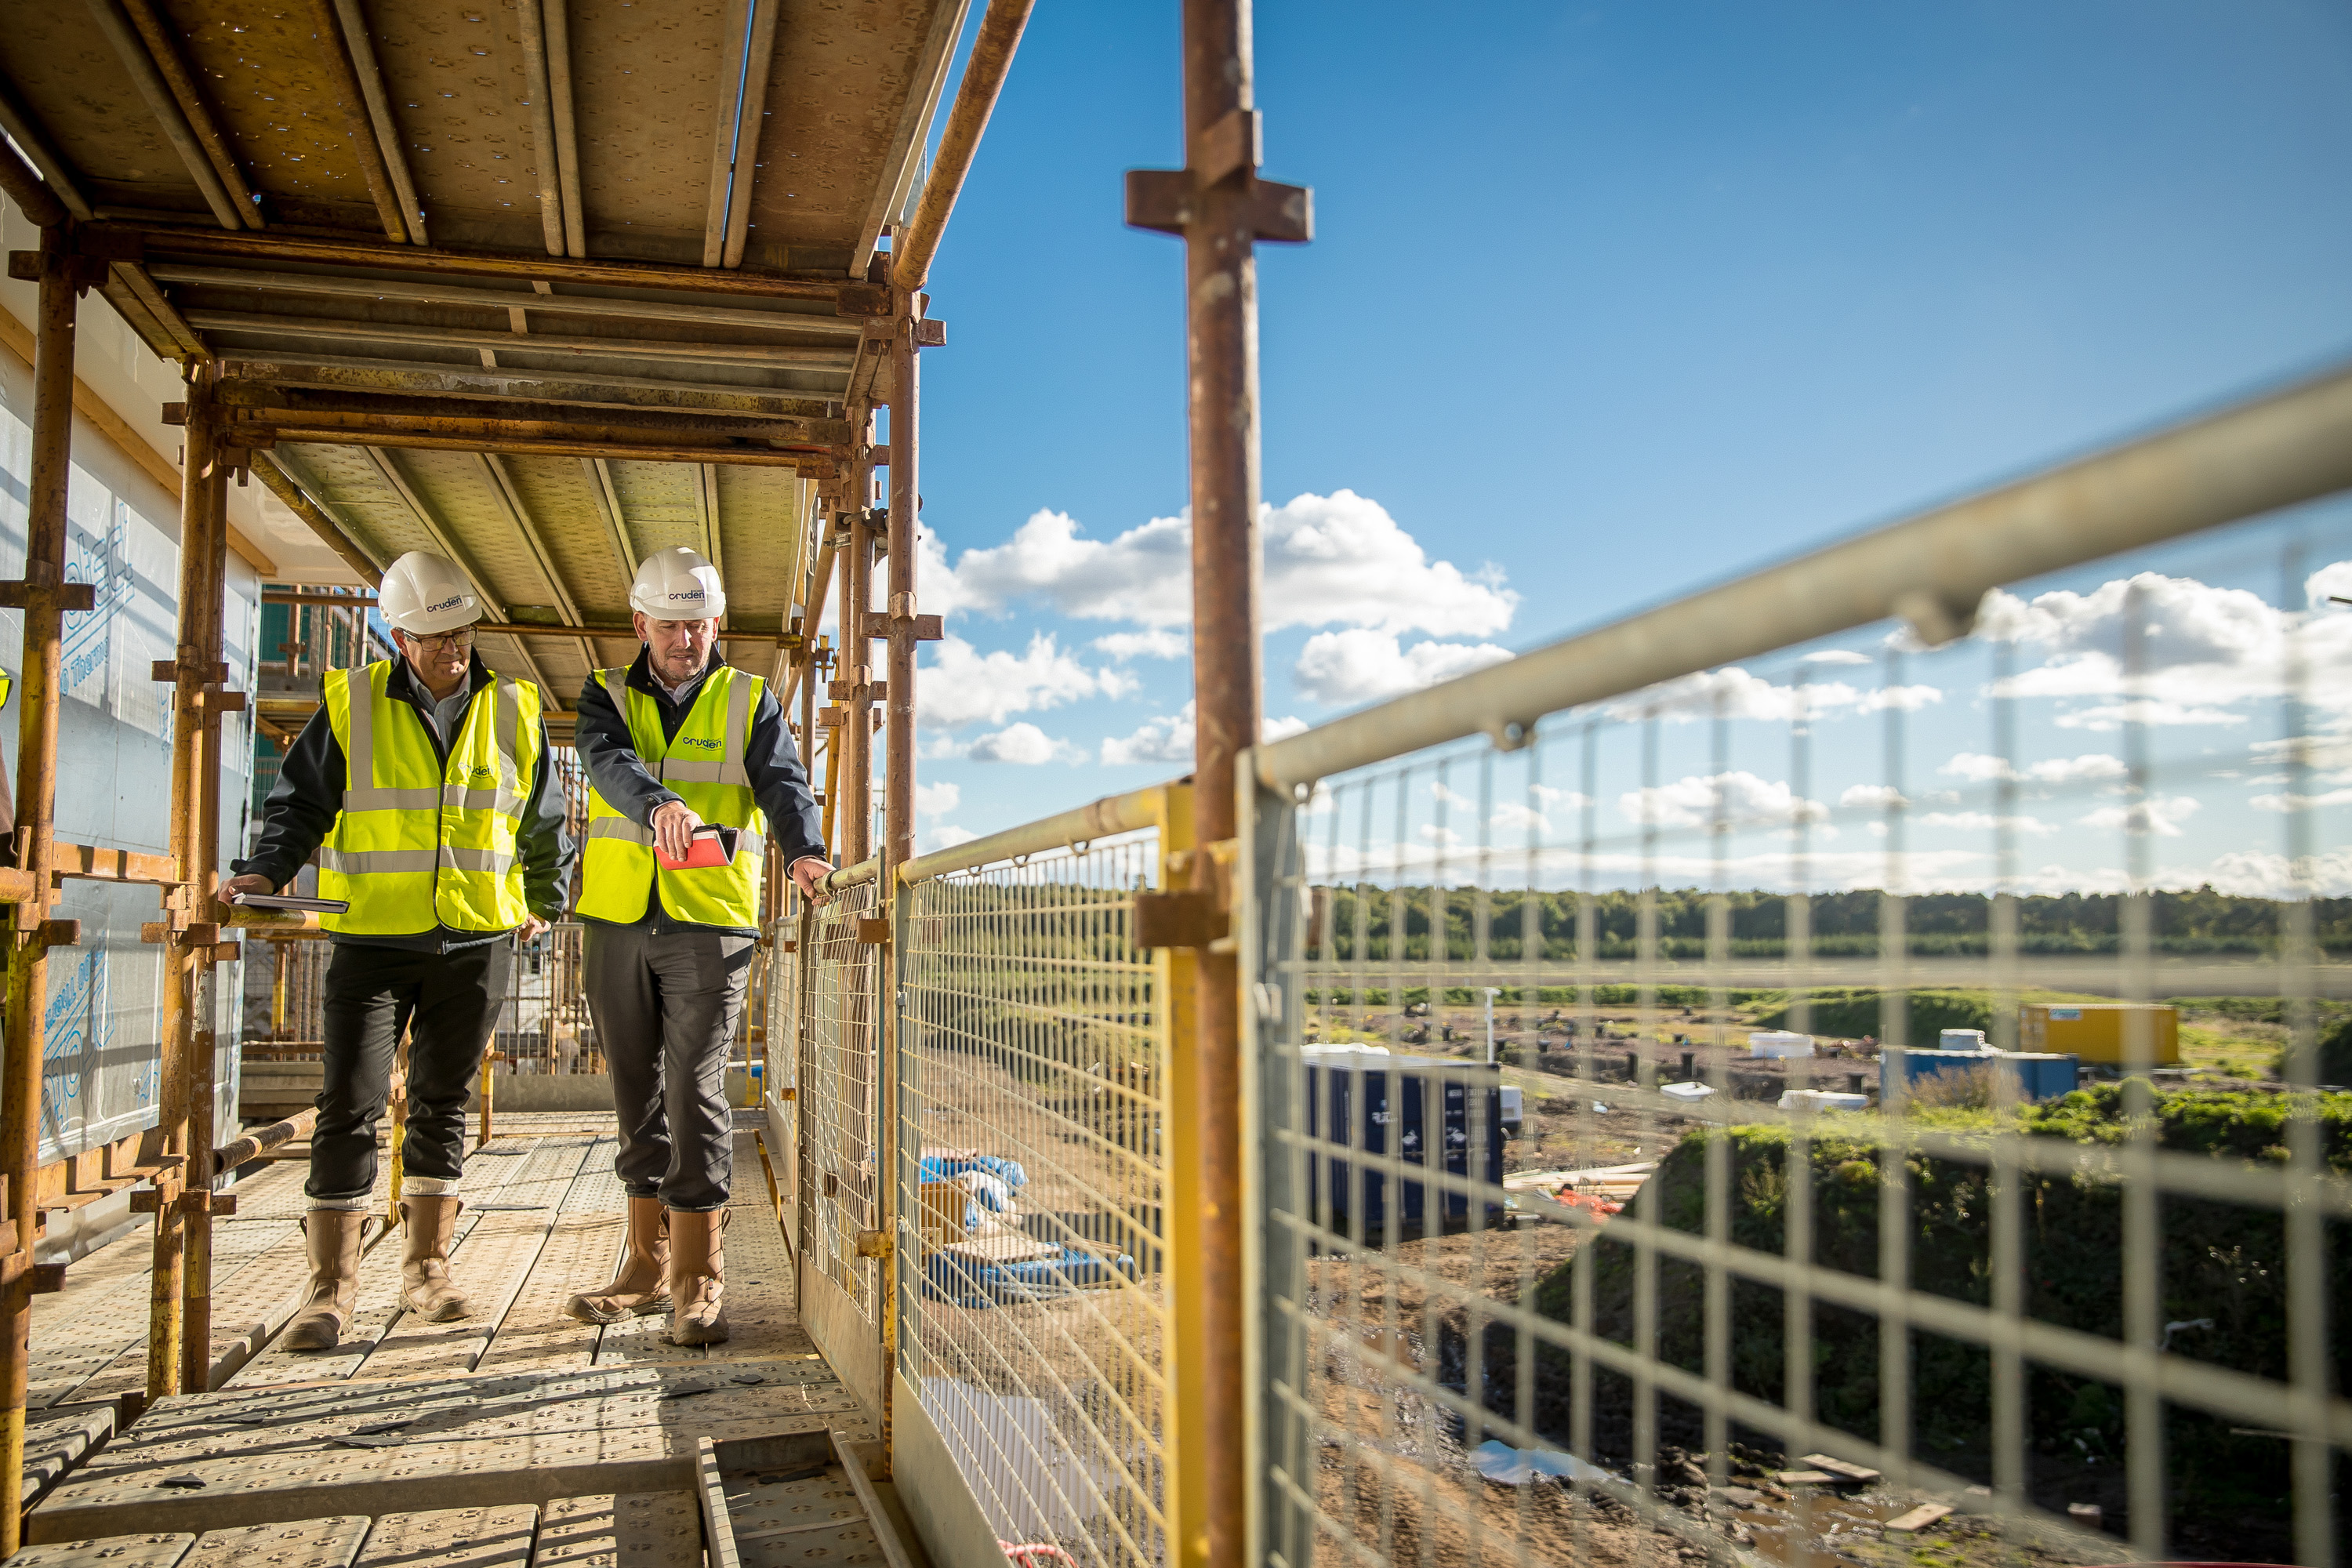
{"x": 449, "y": 1002}
{"x": 666, "y": 1008}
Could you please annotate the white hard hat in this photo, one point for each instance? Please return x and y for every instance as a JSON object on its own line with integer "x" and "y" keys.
{"x": 677, "y": 585}
{"x": 424, "y": 594}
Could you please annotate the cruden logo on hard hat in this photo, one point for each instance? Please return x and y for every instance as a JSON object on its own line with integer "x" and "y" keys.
{"x": 426, "y": 595}
{"x": 677, "y": 584}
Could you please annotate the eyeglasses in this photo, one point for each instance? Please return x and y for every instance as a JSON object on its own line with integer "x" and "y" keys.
{"x": 448, "y": 642}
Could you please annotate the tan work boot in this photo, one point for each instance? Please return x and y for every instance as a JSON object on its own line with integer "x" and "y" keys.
{"x": 333, "y": 1236}
{"x": 429, "y": 1224}
{"x": 641, "y": 1281}
{"x": 697, "y": 1270}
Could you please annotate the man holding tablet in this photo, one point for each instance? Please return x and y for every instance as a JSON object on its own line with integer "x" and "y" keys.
{"x": 691, "y": 768}
{"x": 423, "y": 784}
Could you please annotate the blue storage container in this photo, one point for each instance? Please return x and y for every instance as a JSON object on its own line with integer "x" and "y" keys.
{"x": 2041, "y": 1075}
{"x": 1386, "y": 1099}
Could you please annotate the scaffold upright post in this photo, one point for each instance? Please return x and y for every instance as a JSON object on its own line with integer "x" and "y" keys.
{"x": 37, "y": 778}
{"x": 1221, "y": 209}
{"x": 854, "y": 673}
{"x": 177, "y": 1013}
{"x": 211, "y": 545}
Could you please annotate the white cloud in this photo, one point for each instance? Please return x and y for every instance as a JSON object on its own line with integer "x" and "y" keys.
{"x": 2160, "y": 816}
{"x": 1874, "y": 798}
{"x": 2153, "y": 710}
{"x": 1744, "y": 800}
{"x": 2290, "y": 801}
{"x": 1158, "y": 642}
{"x": 1836, "y": 656}
{"x": 2153, "y": 649}
{"x": 2090, "y": 767}
{"x": 2253, "y": 875}
{"x": 964, "y": 686}
{"x": 1328, "y": 560}
{"x": 948, "y": 837}
{"x": 1737, "y": 693}
{"x": 1340, "y": 669}
{"x": 1024, "y": 743}
{"x": 1170, "y": 739}
{"x": 1984, "y": 822}
{"x": 937, "y": 799}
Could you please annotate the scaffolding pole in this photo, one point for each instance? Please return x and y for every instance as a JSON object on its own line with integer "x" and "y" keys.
{"x": 210, "y": 546}
{"x": 37, "y": 779}
{"x": 1221, "y": 209}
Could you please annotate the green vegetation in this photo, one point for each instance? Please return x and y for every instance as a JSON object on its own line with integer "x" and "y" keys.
{"x": 1847, "y": 924}
{"x": 2221, "y": 1265}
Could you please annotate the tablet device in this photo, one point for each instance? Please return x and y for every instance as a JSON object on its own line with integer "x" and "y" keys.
{"x": 287, "y": 902}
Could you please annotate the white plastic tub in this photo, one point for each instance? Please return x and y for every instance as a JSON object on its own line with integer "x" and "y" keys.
{"x": 1779, "y": 1044}
{"x": 1823, "y": 1099}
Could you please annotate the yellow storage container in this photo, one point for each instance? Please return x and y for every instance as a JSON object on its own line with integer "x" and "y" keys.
{"x": 2094, "y": 1031}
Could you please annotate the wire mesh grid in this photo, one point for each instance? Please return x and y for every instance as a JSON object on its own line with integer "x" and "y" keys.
{"x": 1034, "y": 1160}
{"x": 544, "y": 1026}
{"x": 1762, "y": 1235}
{"x": 840, "y": 1044}
{"x": 289, "y": 1024}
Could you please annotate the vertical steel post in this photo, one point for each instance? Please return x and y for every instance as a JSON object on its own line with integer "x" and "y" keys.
{"x": 37, "y": 781}
{"x": 178, "y": 1013}
{"x": 204, "y": 883}
{"x": 899, "y": 712}
{"x": 897, "y": 803}
{"x": 855, "y": 671}
{"x": 1220, "y": 354}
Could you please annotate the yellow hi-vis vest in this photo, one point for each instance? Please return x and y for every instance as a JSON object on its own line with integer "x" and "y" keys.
{"x": 418, "y": 843}
{"x": 704, "y": 766}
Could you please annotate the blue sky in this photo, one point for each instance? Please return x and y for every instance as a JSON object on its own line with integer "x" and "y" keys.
{"x": 1606, "y": 303}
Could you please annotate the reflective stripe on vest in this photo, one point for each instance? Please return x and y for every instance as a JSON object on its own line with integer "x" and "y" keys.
{"x": 703, "y": 764}
{"x": 419, "y": 842}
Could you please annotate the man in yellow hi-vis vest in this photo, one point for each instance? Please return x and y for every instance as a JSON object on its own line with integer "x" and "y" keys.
{"x": 422, "y": 784}
{"x": 689, "y": 756}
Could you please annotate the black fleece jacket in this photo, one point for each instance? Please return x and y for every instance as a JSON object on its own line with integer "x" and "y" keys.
{"x": 302, "y": 807}
{"x": 778, "y": 784}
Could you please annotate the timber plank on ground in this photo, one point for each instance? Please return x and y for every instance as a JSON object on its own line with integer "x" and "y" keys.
{"x": 453, "y": 1537}
{"x": 330, "y": 1542}
{"x": 276, "y": 1453}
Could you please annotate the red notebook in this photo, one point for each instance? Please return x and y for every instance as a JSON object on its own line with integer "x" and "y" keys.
{"x": 713, "y": 847}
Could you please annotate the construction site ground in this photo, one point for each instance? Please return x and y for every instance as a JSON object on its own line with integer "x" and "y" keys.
{"x": 517, "y": 1436}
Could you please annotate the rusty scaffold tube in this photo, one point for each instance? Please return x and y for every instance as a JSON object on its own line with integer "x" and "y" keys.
{"x": 1221, "y": 208}
{"x": 211, "y": 546}
{"x": 36, "y": 782}
{"x": 983, "y": 78}
{"x": 854, "y": 675}
{"x": 177, "y": 1013}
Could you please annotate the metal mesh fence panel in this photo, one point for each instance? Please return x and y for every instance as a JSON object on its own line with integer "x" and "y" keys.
{"x": 1033, "y": 1165}
{"x": 1869, "y": 1090}
{"x": 840, "y": 1044}
{"x": 544, "y": 1024}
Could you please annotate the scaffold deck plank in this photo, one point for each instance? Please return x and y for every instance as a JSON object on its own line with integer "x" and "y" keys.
{"x": 331, "y": 1543}
{"x": 453, "y": 1537}
{"x": 247, "y": 1457}
{"x": 378, "y": 1308}
{"x": 511, "y": 1224}
{"x": 107, "y": 1552}
{"x": 631, "y": 1530}
{"x": 538, "y": 1335}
